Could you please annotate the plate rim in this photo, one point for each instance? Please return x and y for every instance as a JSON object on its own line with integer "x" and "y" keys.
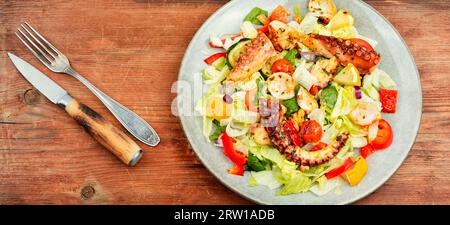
{"x": 370, "y": 190}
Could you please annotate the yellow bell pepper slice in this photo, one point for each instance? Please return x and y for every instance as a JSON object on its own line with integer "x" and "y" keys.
{"x": 356, "y": 173}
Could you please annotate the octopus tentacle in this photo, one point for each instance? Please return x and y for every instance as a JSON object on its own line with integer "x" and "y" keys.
{"x": 347, "y": 51}
{"x": 302, "y": 156}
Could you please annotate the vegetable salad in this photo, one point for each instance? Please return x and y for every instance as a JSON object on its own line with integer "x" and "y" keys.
{"x": 328, "y": 111}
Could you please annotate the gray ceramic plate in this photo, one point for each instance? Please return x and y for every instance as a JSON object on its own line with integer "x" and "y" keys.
{"x": 396, "y": 61}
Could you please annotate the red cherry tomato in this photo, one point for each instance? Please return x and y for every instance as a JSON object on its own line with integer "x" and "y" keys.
{"x": 384, "y": 137}
{"x": 366, "y": 151}
{"x": 282, "y": 65}
{"x": 311, "y": 131}
{"x": 362, "y": 43}
{"x": 250, "y": 100}
{"x": 388, "y": 99}
{"x": 314, "y": 89}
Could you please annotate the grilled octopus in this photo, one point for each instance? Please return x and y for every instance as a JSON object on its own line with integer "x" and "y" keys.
{"x": 273, "y": 122}
{"x": 347, "y": 51}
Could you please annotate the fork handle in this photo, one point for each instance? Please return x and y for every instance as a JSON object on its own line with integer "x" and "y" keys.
{"x": 138, "y": 127}
{"x": 105, "y": 133}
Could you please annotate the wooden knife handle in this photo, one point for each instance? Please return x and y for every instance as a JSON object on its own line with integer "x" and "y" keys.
{"x": 105, "y": 133}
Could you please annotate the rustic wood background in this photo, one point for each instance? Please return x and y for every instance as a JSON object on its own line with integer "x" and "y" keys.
{"x": 132, "y": 50}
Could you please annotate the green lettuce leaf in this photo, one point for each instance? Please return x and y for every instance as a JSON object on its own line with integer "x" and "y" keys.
{"x": 329, "y": 95}
{"x": 256, "y": 164}
{"x": 294, "y": 182}
{"x": 252, "y": 15}
{"x": 291, "y": 55}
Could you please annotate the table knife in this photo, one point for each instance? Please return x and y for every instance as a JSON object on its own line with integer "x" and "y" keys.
{"x": 97, "y": 126}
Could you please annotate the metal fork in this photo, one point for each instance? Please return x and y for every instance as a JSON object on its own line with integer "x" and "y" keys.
{"x": 59, "y": 63}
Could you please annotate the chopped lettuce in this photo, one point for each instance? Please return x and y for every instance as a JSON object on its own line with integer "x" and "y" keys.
{"x": 366, "y": 99}
{"x": 345, "y": 32}
{"x": 353, "y": 129}
{"x": 249, "y": 84}
{"x": 321, "y": 29}
{"x": 245, "y": 116}
{"x": 304, "y": 77}
{"x": 236, "y": 129}
{"x": 308, "y": 24}
{"x": 267, "y": 178}
{"x": 220, "y": 63}
{"x": 252, "y": 15}
{"x": 318, "y": 115}
{"x": 294, "y": 182}
{"x": 379, "y": 79}
{"x": 248, "y": 30}
{"x": 207, "y": 127}
{"x": 324, "y": 186}
{"x": 330, "y": 134}
{"x": 211, "y": 75}
{"x": 358, "y": 142}
{"x": 345, "y": 103}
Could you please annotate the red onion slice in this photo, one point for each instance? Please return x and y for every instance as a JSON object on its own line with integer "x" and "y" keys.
{"x": 358, "y": 93}
{"x": 309, "y": 56}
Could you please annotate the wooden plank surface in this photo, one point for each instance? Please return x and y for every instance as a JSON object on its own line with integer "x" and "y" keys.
{"x": 132, "y": 50}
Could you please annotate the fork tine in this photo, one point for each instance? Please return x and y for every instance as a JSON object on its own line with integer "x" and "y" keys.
{"x": 32, "y": 51}
{"x": 45, "y": 40}
{"x": 35, "y": 46}
{"x": 39, "y": 42}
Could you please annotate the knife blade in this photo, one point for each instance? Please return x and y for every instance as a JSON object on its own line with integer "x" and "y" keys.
{"x": 97, "y": 126}
{"x": 40, "y": 81}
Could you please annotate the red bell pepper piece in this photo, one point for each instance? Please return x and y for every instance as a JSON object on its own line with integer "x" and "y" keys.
{"x": 388, "y": 99}
{"x": 338, "y": 171}
{"x": 264, "y": 29}
{"x": 366, "y": 151}
{"x": 237, "y": 157}
{"x": 215, "y": 57}
{"x": 292, "y": 133}
{"x": 280, "y": 14}
{"x": 314, "y": 90}
{"x": 263, "y": 19}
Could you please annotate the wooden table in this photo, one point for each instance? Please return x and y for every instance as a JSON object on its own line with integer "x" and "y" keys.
{"x": 132, "y": 50}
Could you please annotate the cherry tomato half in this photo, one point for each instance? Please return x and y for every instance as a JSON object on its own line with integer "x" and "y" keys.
{"x": 282, "y": 65}
{"x": 311, "y": 131}
{"x": 388, "y": 99}
{"x": 384, "y": 137}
